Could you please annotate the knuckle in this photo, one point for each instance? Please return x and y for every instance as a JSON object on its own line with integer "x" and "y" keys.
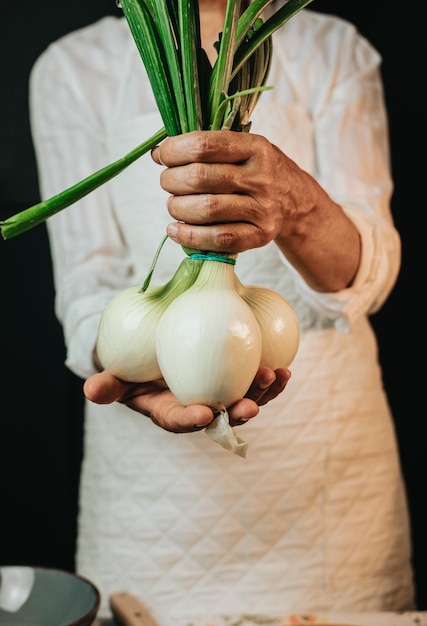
{"x": 200, "y": 145}
{"x": 223, "y": 239}
{"x": 196, "y": 175}
{"x": 209, "y": 205}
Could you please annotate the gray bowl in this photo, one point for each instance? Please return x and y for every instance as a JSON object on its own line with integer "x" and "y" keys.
{"x": 36, "y": 596}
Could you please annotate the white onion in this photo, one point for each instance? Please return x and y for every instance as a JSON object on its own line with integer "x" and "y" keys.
{"x": 125, "y": 344}
{"x": 126, "y": 341}
{"x": 278, "y": 324}
{"x": 208, "y": 340}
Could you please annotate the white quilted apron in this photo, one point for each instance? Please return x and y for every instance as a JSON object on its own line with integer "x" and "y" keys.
{"x": 314, "y": 519}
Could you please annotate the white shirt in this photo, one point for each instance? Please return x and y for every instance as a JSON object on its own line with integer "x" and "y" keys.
{"x": 315, "y": 517}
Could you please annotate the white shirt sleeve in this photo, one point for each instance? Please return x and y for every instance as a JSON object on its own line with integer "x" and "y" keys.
{"x": 352, "y": 162}
{"x": 90, "y": 263}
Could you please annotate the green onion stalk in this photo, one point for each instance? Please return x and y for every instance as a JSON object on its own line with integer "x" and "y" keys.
{"x": 190, "y": 93}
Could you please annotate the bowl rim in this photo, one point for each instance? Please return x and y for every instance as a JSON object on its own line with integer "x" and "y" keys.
{"x": 92, "y": 612}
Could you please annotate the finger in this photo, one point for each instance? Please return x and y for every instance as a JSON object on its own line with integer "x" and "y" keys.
{"x": 204, "y": 147}
{"x": 276, "y": 388}
{"x": 242, "y": 411}
{"x": 267, "y": 384}
{"x": 196, "y": 178}
{"x": 188, "y": 419}
{"x": 151, "y": 399}
{"x": 205, "y": 208}
{"x": 166, "y": 411}
{"x": 104, "y": 388}
{"x": 229, "y": 238}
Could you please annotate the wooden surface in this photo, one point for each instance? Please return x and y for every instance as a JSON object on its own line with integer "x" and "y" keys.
{"x": 336, "y": 619}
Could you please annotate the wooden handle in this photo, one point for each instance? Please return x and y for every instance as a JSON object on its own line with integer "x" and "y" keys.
{"x": 128, "y": 610}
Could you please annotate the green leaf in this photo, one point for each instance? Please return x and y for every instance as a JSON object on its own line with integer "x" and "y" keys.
{"x": 249, "y": 17}
{"x": 172, "y": 61}
{"x": 221, "y": 74}
{"x": 190, "y": 45}
{"x": 280, "y": 17}
{"x": 151, "y": 48}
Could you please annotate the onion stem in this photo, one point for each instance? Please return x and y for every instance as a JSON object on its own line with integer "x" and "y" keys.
{"x": 38, "y": 213}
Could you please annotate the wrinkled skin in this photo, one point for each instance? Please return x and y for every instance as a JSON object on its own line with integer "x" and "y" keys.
{"x": 232, "y": 192}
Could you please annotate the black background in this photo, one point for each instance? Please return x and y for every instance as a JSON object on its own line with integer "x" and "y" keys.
{"x": 41, "y": 402}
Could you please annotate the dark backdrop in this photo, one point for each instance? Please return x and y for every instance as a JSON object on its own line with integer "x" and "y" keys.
{"x": 41, "y": 402}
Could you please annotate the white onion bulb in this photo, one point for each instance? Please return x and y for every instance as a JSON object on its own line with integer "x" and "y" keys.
{"x": 208, "y": 340}
{"x": 278, "y": 324}
{"x": 126, "y": 341}
{"x": 125, "y": 344}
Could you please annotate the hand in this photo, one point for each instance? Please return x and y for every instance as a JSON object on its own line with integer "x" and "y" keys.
{"x": 234, "y": 191}
{"x": 156, "y": 401}
{"x": 227, "y": 189}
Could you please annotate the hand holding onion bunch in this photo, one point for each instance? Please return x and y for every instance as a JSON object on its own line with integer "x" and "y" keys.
{"x": 202, "y": 335}
{"x": 201, "y": 359}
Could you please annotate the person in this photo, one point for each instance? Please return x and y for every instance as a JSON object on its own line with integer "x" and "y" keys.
{"x": 315, "y": 518}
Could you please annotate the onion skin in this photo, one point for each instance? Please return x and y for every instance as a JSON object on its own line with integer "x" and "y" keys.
{"x": 125, "y": 344}
{"x": 278, "y": 324}
{"x": 208, "y": 341}
{"x": 126, "y": 341}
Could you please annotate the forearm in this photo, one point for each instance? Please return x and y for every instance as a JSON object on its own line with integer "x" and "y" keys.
{"x": 317, "y": 237}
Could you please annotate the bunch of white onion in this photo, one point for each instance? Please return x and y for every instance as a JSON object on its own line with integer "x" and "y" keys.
{"x": 204, "y": 332}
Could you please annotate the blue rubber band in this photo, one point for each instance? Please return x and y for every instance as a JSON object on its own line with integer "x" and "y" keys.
{"x": 198, "y": 256}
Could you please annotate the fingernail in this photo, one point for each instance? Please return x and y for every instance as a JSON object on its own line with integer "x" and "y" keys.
{"x": 172, "y": 230}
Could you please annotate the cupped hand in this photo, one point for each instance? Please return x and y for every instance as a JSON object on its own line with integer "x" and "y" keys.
{"x": 157, "y": 402}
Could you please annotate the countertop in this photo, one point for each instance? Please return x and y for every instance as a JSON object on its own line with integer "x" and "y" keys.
{"x": 129, "y": 610}
{"x": 333, "y": 619}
